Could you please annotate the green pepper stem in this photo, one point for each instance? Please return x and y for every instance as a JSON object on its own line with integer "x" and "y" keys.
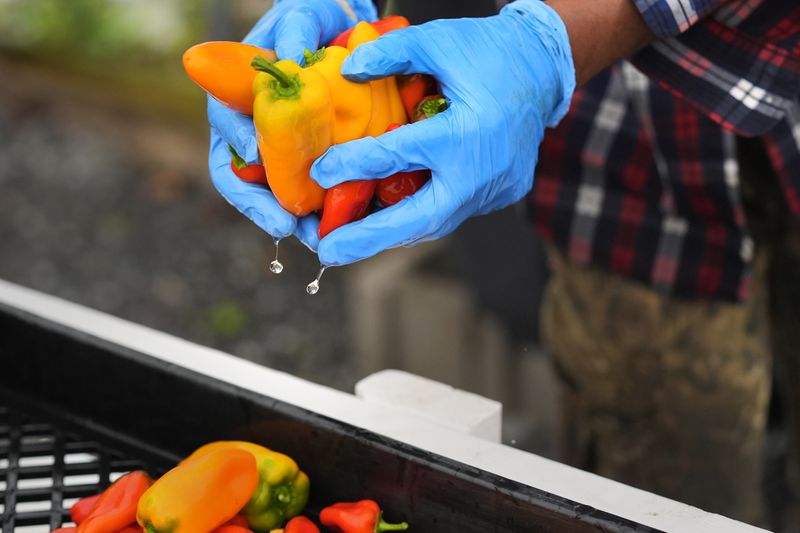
{"x": 433, "y": 107}
{"x": 262, "y": 64}
{"x": 313, "y": 57}
{"x": 381, "y": 525}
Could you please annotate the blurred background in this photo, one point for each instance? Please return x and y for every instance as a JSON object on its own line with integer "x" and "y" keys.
{"x": 106, "y": 201}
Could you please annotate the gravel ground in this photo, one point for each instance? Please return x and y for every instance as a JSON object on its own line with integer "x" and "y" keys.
{"x": 86, "y": 219}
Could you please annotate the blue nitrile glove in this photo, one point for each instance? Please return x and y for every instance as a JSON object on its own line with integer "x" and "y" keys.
{"x": 505, "y": 78}
{"x": 289, "y": 28}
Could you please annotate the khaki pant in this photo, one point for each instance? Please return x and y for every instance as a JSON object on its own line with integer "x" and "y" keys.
{"x": 671, "y": 395}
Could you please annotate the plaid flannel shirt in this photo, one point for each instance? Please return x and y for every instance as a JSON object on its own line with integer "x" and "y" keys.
{"x": 641, "y": 177}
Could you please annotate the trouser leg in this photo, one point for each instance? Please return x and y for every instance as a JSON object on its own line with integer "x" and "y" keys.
{"x": 663, "y": 394}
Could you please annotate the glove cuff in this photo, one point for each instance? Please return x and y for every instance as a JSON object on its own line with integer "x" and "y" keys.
{"x": 549, "y": 27}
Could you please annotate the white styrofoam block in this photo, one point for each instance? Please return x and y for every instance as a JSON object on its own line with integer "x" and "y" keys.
{"x": 437, "y": 402}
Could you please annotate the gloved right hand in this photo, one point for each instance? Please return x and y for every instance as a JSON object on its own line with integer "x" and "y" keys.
{"x": 289, "y": 28}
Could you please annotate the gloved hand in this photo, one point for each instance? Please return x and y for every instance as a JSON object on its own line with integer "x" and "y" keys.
{"x": 289, "y": 28}
{"x": 505, "y": 77}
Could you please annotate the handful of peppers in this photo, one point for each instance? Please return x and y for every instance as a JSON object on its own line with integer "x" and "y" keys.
{"x": 300, "y": 111}
{"x": 222, "y": 487}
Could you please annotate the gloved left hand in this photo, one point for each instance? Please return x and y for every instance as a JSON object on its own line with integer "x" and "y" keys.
{"x": 504, "y": 77}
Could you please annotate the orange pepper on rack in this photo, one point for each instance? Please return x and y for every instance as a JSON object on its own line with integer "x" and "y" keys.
{"x": 200, "y": 494}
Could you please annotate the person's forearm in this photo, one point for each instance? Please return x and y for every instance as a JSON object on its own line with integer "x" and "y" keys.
{"x": 601, "y": 32}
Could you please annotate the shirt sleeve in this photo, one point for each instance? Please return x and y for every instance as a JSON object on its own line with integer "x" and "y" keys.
{"x": 667, "y": 18}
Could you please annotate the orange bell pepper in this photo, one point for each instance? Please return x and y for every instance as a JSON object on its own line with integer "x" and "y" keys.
{"x": 200, "y": 494}
{"x": 116, "y": 507}
{"x": 223, "y": 70}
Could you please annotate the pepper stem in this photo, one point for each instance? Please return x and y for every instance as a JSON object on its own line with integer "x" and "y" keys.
{"x": 433, "y": 107}
{"x": 382, "y": 525}
{"x": 313, "y": 57}
{"x": 263, "y": 64}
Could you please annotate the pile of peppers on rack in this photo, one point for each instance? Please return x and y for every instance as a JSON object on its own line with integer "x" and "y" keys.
{"x": 222, "y": 487}
{"x": 300, "y": 111}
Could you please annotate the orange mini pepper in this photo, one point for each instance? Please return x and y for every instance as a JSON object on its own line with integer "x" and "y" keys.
{"x": 223, "y": 70}
{"x": 200, "y": 494}
{"x": 387, "y": 107}
{"x": 384, "y": 25}
{"x": 116, "y": 507}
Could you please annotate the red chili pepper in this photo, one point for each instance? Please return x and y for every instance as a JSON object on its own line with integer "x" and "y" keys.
{"x": 249, "y": 173}
{"x": 394, "y": 188}
{"x": 82, "y": 508}
{"x": 364, "y": 516}
{"x": 384, "y": 25}
{"x": 116, "y": 507}
{"x": 413, "y": 88}
{"x": 345, "y": 203}
{"x": 238, "y": 520}
{"x": 133, "y": 528}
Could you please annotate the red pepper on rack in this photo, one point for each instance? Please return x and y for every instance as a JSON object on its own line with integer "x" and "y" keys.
{"x": 116, "y": 507}
{"x": 298, "y": 524}
{"x": 384, "y": 25}
{"x": 364, "y": 516}
{"x": 81, "y": 509}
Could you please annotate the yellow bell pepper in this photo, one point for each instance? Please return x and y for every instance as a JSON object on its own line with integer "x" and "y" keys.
{"x": 352, "y": 102}
{"x": 199, "y": 495}
{"x": 282, "y": 490}
{"x": 293, "y": 116}
{"x": 387, "y": 106}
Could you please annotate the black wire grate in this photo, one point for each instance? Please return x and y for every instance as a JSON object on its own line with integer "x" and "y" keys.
{"x": 44, "y": 470}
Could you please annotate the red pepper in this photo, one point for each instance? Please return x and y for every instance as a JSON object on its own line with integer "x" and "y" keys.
{"x": 384, "y": 25}
{"x": 413, "y": 88}
{"x": 116, "y": 507}
{"x": 345, "y": 203}
{"x": 81, "y": 509}
{"x": 298, "y": 524}
{"x": 249, "y": 173}
{"x": 133, "y": 528}
{"x": 394, "y": 188}
{"x": 364, "y": 516}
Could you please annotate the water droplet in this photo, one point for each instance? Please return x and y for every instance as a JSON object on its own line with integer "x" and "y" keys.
{"x": 313, "y": 287}
{"x": 276, "y": 267}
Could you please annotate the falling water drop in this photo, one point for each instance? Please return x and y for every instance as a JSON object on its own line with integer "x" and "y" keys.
{"x": 313, "y": 287}
{"x": 276, "y": 267}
